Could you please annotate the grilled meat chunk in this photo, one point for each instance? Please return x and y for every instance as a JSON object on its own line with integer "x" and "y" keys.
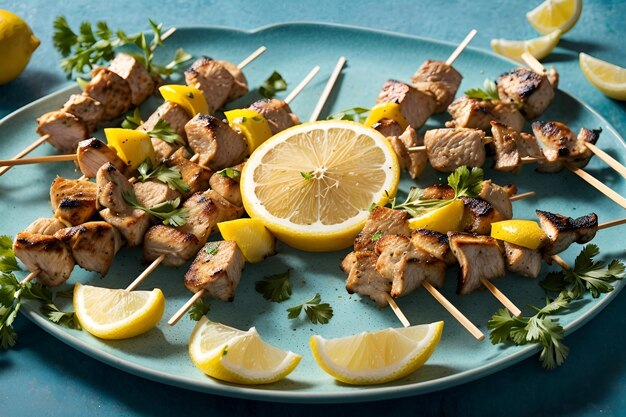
{"x": 435, "y": 244}
{"x": 93, "y": 153}
{"x": 405, "y": 265}
{"x": 439, "y": 192}
{"x": 478, "y": 215}
{"x": 382, "y": 221}
{"x": 533, "y": 91}
{"x": 563, "y": 231}
{"x": 449, "y": 149}
{"x": 478, "y": 114}
{"x": 479, "y": 257}
{"x": 388, "y": 127}
{"x": 216, "y": 270}
{"x": 45, "y": 226}
{"x": 240, "y": 84}
{"x": 88, "y": 110}
{"x": 521, "y": 260}
{"x": 348, "y": 262}
{"x": 227, "y": 188}
{"x": 132, "y": 224}
{"x": 93, "y": 245}
{"x": 561, "y": 143}
{"x": 136, "y": 75}
{"x": 413, "y": 162}
{"x": 177, "y": 246}
{"x": 415, "y": 106}
{"x": 438, "y": 79}
{"x": 364, "y": 279}
{"x": 73, "y": 200}
{"x": 111, "y": 90}
{"x": 212, "y": 79}
{"x": 64, "y": 130}
{"x": 499, "y": 198}
{"x": 218, "y": 145}
{"x": 206, "y": 210}
{"x": 194, "y": 175}
{"x": 505, "y": 140}
{"x": 151, "y": 193}
{"x": 527, "y": 146}
{"x": 45, "y": 255}
{"x": 277, "y": 113}
{"x": 172, "y": 113}
{"x": 111, "y": 186}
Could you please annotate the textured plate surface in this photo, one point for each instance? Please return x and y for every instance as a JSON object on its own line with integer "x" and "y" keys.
{"x": 373, "y": 57}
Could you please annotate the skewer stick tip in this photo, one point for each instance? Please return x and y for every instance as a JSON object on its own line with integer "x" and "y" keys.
{"x": 305, "y": 81}
{"x": 254, "y": 55}
{"x": 145, "y": 273}
{"x": 459, "y": 49}
{"x": 501, "y": 297}
{"x": 396, "y": 309}
{"x": 328, "y": 89}
{"x": 533, "y": 63}
{"x": 181, "y": 311}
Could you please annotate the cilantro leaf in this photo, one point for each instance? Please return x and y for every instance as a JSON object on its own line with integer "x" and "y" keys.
{"x": 314, "y": 310}
{"x": 167, "y": 211}
{"x": 163, "y": 130}
{"x": 307, "y": 175}
{"x": 353, "y": 114}
{"x": 272, "y": 85}
{"x": 489, "y": 91}
{"x": 8, "y": 262}
{"x": 276, "y": 288}
{"x": 169, "y": 176}
{"x": 132, "y": 120}
{"x": 231, "y": 173}
{"x": 212, "y": 248}
{"x": 466, "y": 183}
{"x": 199, "y": 309}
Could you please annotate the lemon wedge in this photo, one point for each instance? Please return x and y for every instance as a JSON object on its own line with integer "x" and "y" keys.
{"x": 251, "y": 124}
{"x": 237, "y": 356}
{"x": 253, "y": 239}
{"x": 526, "y": 233}
{"x": 312, "y": 185}
{"x": 442, "y": 220}
{"x": 377, "y": 357}
{"x": 608, "y": 78}
{"x": 190, "y": 98}
{"x": 386, "y": 111}
{"x": 555, "y": 14}
{"x": 538, "y": 47}
{"x": 116, "y": 313}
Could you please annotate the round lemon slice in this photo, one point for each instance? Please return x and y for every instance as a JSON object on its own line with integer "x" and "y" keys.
{"x": 526, "y": 233}
{"x": 116, "y": 313}
{"x": 238, "y": 356}
{"x": 606, "y": 77}
{"x": 442, "y": 220}
{"x": 377, "y": 357}
{"x": 538, "y": 47}
{"x": 312, "y": 185}
{"x": 555, "y": 14}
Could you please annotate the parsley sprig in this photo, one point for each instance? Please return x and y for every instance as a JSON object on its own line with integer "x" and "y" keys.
{"x": 353, "y": 114}
{"x": 199, "y": 309}
{"x": 231, "y": 173}
{"x": 275, "y": 83}
{"x": 276, "y": 288}
{"x": 314, "y": 310}
{"x": 94, "y": 46}
{"x": 164, "y": 174}
{"x": 489, "y": 92}
{"x": 162, "y": 130}
{"x": 167, "y": 211}
{"x": 8, "y": 263}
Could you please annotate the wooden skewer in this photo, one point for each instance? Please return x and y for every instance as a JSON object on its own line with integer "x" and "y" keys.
{"x": 181, "y": 311}
{"x": 37, "y": 160}
{"x": 608, "y": 159}
{"x": 460, "y": 317}
{"x": 522, "y": 196}
{"x": 29, "y": 277}
{"x": 461, "y": 47}
{"x": 399, "y": 314}
{"x": 254, "y": 55}
{"x": 145, "y": 273}
{"x": 302, "y": 84}
{"x": 600, "y": 186}
{"x": 26, "y": 151}
{"x": 328, "y": 89}
{"x": 501, "y": 297}
{"x": 533, "y": 63}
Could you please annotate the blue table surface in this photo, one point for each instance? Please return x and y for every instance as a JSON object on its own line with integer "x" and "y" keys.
{"x": 43, "y": 376}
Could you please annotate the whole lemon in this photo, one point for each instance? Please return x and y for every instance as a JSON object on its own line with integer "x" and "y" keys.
{"x": 17, "y": 44}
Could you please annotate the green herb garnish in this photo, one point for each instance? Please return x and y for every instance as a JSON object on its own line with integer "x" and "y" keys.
{"x": 489, "y": 91}
{"x": 132, "y": 120}
{"x": 168, "y": 211}
{"x": 275, "y": 288}
{"x": 164, "y": 131}
{"x": 314, "y": 310}
{"x": 307, "y": 175}
{"x": 231, "y": 173}
{"x": 354, "y": 114}
{"x": 199, "y": 309}
{"x": 169, "y": 176}
{"x": 8, "y": 263}
{"x": 212, "y": 248}
{"x": 274, "y": 84}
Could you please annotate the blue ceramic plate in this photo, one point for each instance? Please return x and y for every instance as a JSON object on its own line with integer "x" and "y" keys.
{"x": 373, "y": 57}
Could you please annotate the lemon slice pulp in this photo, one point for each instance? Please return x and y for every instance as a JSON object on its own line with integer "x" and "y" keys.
{"x": 116, "y": 313}
{"x": 538, "y": 47}
{"x": 606, "y": 77}
{"x": 238, "y": 356}
{"x": 377, "y": 357}
{"x": 555, "y": 14}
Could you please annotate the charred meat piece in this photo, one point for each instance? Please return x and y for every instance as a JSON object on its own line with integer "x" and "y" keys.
{"x": 277, "y": 113}
{"x": 111, "y": 90}
{"x": 218, "y": 145}
{"x": 505, "y": 140}
{"x": 194, "y": 175}
{"x": 212, "y": 79}
{"x": 45, "y": 255}
{"x": 585, "y": 136}
{"x": 438, "y": 79}
{"x": 405, "y": 265}
{"x": 93, "y": 245}
{"x": 151, "y": 193}
{"x": 527, "y": 146}
{"x": 413, "y": 162}
{"x": 177, "y": 246}
{"x": 479, "y": 257}
{"x": 88, "y": 110}
{"x": 64, "y": 130}
{"x": 532, "y": 91}
{"x": 478, "y": 114}
{"x": 132, "y": 224}
{"x": 240, "y": 84}
{"x": 73, "y": 200}
{"x": 227, "y": 188}
{"x": 111, "y": 186}
{"x": 560, "y": 142}
{"x": 45, "y": 226}
{"x": 478, "y": 215}
{"x": 364, "y": 279}
{"x": 435, "y": 244}
{"x": 563, "y": 231}
{"x": 521, "y": 260}
{"x": 172, "y": 113}
{"x": 388, "y": 127}
{"x": 348, "y": 262}
{"x": 216, "y": 270}
{"x": 439, "y": 192}
{"x": 499, "y": 198}
{"x": 449, "y": 149}
{"x": 136, "y": 75}
{"x": 382, "y": 221}
{"x": 415, "y": 106}
{"x": 93, "y": 153}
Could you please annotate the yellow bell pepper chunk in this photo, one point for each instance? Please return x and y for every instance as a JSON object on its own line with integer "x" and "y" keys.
{"x": 253, "y": 239}
{"x": 526, "y": 233}
{"x": 190, "y": 98}
{"x": 386, "y": 111}
{"x": 132, "y": 146}
{"x": 442, "y": 220}
{"x": 251, "y": 124}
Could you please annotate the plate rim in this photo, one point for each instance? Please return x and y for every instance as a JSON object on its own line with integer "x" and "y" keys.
{"x": 365, "y": 393}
